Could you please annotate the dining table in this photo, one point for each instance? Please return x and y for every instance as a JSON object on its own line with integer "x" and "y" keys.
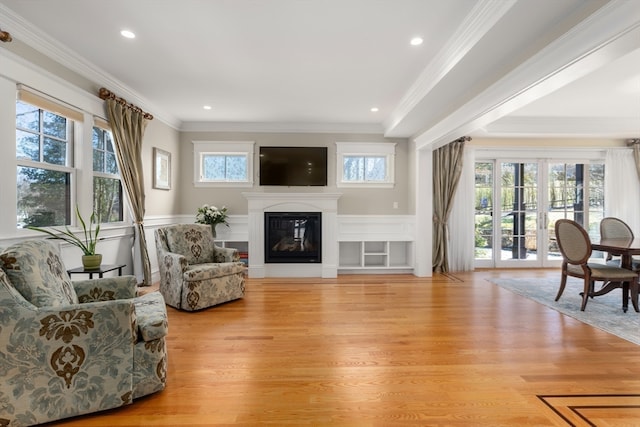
{"x": 625, "y": 248}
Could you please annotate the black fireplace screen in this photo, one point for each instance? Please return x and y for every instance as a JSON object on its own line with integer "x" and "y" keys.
{"x": 292, "y": 237}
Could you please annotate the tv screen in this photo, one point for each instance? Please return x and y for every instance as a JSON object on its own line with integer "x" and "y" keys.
{"x": 293, "y": 166}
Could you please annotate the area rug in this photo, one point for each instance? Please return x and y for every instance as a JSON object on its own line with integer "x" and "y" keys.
{"x": 603, "y": 312}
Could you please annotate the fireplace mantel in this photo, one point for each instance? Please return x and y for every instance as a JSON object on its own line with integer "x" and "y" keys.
{"x": 326, "y": 203}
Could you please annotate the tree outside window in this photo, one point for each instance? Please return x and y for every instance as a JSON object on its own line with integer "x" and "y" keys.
{"x": 107, "y": 187}
{"x": 365, "y": 164}
{"x": 224, "y": 167}
{"x": 44, "y": 147}
{"x": 223, "y": 163}
{"x": 364, "y": 169}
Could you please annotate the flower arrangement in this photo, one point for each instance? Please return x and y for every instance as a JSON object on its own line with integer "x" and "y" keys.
{"x": 209, "y": 214}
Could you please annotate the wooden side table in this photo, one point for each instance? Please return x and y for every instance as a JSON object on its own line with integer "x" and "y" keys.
{"x": 104, "y": 268}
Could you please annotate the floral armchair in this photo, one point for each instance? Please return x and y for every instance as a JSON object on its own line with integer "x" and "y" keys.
{"x": 194, "y": 272}
{"x": 71, "y": 348}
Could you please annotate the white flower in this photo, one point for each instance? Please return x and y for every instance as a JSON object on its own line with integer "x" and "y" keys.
{"x": 209, "y": 214}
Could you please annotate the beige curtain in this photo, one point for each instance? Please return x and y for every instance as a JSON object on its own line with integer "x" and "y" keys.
{"x": 127, "y": 125}
{"x": 635, "y": 144}
{"x": 447, "y": 167}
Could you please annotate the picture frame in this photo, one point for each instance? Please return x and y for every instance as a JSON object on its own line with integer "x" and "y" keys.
{"x": 161, "y": 169}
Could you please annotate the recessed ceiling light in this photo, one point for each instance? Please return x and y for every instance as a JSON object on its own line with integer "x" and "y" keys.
{"x": 374, "y": 109}
{"x": 416, "y": 41}
{"x": 128, "y": 34}
{"x": 207, "y": 107}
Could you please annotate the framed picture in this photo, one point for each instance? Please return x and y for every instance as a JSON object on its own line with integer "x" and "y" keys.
{"x": 161, "y": 169}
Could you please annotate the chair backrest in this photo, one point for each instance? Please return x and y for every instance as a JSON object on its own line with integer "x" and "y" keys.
{"x": 35, "y": 269}
{"x": 194, "y": 241}
{"x": 573, "y": 241}
{"x": 615, "y": 228}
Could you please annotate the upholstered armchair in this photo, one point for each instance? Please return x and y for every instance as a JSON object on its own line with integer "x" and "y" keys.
{"x": 194, "y": 272}
{"x": 71, "y": 348}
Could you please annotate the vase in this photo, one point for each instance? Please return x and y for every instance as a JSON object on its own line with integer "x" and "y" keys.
{"x": 213, "y": 230}
{"x": 91, "y": 262}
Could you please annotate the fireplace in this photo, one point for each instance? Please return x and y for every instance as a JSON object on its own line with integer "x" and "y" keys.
{"x": 323, "y": 203}
{"x": 293, "y": 237}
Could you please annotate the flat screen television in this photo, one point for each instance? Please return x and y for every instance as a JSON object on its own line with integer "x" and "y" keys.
{"x": 293, "y": 166}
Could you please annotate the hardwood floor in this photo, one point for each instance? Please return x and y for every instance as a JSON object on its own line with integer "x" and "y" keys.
{"x": 388, "y": 350}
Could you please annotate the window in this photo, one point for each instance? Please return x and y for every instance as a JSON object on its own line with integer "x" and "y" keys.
{"x": 365, "y": 164}
{"x": 224, "y": 167}
{"x": 44, "y": 158}
{"x": 223, "y": 163}
{"x": 107, "y": 187}
{"x": 364, "y": 169}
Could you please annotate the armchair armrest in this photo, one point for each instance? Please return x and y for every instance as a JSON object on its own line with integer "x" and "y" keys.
{"x": 151, "y": 316}
{"x": 225, "y": 254}
{"x": 171, "y": 263}
{"x": 105, "y": 289}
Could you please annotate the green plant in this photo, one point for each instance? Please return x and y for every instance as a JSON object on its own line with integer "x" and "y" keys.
{"x": 86, "y": 245}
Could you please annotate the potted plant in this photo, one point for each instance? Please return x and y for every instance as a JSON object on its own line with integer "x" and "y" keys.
{"x": 90, "y": 259}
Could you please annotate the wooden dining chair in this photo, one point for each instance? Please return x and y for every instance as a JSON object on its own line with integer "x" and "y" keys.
{"x": 575, "y": 248}
{"x": 614, "y": 228}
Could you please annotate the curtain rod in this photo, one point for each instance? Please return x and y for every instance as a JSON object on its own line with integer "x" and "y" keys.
{"x": 107, "y": 94}
{"x": 5, "y": 36}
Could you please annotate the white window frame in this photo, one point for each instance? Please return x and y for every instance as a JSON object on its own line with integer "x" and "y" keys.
{"x": 104, "y": 126}
{"x": 75, "y": 121}
{"x": 366, "y": 149}
{"x": 223, "y": 148}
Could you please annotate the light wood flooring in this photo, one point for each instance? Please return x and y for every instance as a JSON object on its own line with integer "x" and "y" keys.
{"x": 388, "y": 350}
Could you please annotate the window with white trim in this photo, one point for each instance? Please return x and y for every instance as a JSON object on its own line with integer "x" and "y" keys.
{"x": 107, "y": 186}
{"x": 369, "y": 164}
{"x": 223, "y": 163}
{"x": 44, "y": 158}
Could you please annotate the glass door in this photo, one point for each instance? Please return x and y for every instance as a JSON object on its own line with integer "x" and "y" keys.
{"x": 518, "y": 219}
{"x": 517, "y": 204}
{"x": 575, "y": 191}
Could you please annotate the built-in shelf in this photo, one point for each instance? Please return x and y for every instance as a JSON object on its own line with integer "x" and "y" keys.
{"x": 372, "y": 255}
{"x": 241, "y": 246}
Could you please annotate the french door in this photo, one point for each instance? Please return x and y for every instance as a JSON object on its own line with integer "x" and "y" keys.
{"x": 518, "y": 202}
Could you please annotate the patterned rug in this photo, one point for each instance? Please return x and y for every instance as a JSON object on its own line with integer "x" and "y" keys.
{"x": 604, "y": 312}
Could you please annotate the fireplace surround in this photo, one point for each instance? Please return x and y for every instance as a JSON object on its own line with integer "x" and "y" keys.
{"x": 326, "y": 204}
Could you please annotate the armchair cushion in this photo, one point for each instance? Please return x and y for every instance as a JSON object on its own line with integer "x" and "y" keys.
{"x": 192, "y": 242}
{"x": 37, "y": 272}
{"x": 213, "y": 270}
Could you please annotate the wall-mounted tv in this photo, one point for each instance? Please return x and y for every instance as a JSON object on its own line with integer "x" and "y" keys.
{"x": 293, "y": 166}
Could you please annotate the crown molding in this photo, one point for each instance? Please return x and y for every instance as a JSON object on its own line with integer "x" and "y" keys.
{"x": 476, "y": 24}
{"x": 279, "y": 127}
{"x": 35, "y": 38}
{"x": 562, "y": 127}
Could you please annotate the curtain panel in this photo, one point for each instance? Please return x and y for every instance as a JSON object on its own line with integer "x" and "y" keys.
{"x": 620, "y": 186}
{"x": 447, "y": 168}
{"x": 128, "y": 126}
{"x": 635, "y": 144}
{"x": 461, "y": 254}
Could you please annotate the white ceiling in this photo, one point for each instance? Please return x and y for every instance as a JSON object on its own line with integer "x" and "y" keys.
{"x": 486, "y": 67}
